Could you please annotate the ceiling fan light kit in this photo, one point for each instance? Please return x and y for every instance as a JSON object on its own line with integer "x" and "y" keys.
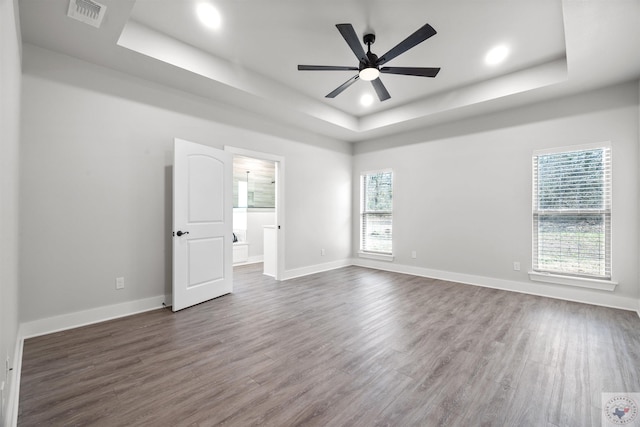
{"x": 369, "y": 64}
{"x": 369, "y": 73}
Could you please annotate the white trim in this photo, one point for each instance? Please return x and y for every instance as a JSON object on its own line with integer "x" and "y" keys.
{"x": 251, "y": 260}
{"x": 252, "y": 153}
{"x": 318, "y": 268}
{"x": 255, "y": 259}
{"x": 64, "y": 322}
{"x": 87, "y": 317}
{"x": 371, "y": 172}
{"x": 13, "y": 401}
{"x": 579, "y": 147}
{"x": 604, "y": 299}
{"x": 582, "y": 282}
{"x": 373, "y": 255}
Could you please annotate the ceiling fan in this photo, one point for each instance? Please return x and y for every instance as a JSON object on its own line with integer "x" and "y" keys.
{"x": 369, "y": 67}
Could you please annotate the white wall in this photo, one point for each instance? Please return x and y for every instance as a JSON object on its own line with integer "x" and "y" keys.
{"x": 10, "y": 81}
{"x": 463, "y": 191}
{"x": 96, "y": 194}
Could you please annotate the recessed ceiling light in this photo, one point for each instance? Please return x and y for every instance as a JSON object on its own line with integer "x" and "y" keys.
{"x": 496, "y": 55}
{"x": 366, "y": 100}
{"x": 209, "y": 15}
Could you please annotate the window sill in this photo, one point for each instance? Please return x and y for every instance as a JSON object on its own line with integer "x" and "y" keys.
{"x": 582, "y": 282}
{"x": 379, "y": 257}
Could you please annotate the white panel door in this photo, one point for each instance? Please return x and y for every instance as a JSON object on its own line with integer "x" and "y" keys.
{"x": 202, "y": 224}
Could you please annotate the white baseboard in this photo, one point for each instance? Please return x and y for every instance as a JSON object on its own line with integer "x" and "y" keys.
{"x": 63, "y": 322}
{"x": 251, "y": 260}
{"x": 318, "y": 268}
{"x": 87, "y": 317}
{"x": 586, "y": 296}
{"x": 605, "y": 299}
{"x": 255, "y": 259}
{"x": 13, "y": 383}
{"x": 100, "y": 314}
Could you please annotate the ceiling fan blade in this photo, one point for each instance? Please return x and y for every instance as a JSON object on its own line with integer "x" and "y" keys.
{"x": 343, "y": 86}
{"x": 325, "y": 68}
{"x": 411, "y": 71}
{"x": 352, "y": 40}
{"x": 417, "y": 37}
{"x": 380, "y": 89}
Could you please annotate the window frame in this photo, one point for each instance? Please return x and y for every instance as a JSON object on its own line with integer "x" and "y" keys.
{"x": 604, "y": 282}
{"x": 377, "y": 255}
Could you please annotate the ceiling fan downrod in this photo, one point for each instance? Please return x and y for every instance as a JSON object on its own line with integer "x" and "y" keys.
{"x": 370, "y": 67}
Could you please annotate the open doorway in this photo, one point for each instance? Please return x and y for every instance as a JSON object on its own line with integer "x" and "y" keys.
{"x": 257, "y": 217}
{"x": 254, "y": 210}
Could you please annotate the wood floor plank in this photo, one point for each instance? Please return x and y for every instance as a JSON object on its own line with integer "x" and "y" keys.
{"x": 532, "y": 403}
{"x": 572, "y": 377}
{"x": 348, "y": 347}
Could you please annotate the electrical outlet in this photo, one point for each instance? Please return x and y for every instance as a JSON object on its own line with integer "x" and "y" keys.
{"x": 414, "y": 254}
{"x": 516, "y": 266}
{"x": 322, "y": 252}
{"x": 120, "y": 283}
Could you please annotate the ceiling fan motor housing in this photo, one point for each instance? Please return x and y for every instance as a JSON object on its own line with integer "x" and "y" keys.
{"x": 372, "y": 58}
{"x": 371, "y": 63}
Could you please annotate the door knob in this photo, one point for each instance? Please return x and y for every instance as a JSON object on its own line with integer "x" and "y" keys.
{"x": 180, "y": 233}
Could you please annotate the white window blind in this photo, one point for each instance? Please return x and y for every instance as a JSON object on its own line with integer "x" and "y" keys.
{"x": 572, "y": 212}
{"x": 376, "y": 223}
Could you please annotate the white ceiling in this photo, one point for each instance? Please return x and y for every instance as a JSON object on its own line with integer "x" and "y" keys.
{"x": 557, "y": 48}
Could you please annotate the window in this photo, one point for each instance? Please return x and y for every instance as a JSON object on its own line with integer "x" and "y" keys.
{"x": 572, "y": 212}
{"x": 376, "y": 222}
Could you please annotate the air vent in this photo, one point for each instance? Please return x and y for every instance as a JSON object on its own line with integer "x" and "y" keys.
{"x": 87, "y": 11}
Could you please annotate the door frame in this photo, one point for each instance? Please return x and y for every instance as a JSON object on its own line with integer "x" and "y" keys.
{"x": 280, "y": 199}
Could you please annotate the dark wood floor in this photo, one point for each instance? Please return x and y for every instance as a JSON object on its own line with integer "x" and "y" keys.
{"x": 350, "y": 347}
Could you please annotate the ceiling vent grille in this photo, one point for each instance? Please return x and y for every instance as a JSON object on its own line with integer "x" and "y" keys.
{"x": 87, "y": 11}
